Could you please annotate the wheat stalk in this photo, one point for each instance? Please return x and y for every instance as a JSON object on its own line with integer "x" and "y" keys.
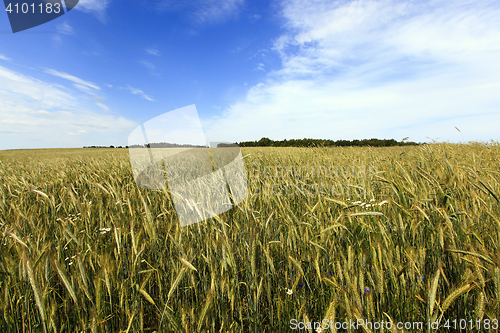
{"x": 36, "y": 292}
{"x": 432, "y": 294}
{"x": 479, "y": 308}
{"x": 453, "y": 296}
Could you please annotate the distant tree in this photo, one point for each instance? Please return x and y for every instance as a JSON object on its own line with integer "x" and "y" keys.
{"x": 264, "y": 142}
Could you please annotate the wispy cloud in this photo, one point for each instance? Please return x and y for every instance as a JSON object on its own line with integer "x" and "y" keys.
{"x": 148, "y": 65}
{"x": 2, "y": 57}
{"x": 79, "y": 132}
{"x": 17, "y": 122}
{"x": 36, "y": 113}
{"x": 65, "y": 29}
{"x": 139, "y": 92}
{"x": 40, "y": 113}
{"x": 79, "y": 83}
{"x": 361, "y": 69}
{"x": 96, "y": 7}
{"x": 254, "y": 18}
{"x": 204, "y": 11}
{"x": 214, "y": 11}
{"x": 152, "y": 68}
{"x": 84, "y": 89}
{"x": 153, "y": 51}
{"x": 102, "y": 106}
{"x": 17, "y": 84}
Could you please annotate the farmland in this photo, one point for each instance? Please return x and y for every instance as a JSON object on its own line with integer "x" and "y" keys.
{"x": 393, "y": 234}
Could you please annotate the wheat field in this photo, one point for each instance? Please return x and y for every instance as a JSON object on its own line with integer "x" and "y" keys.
{"x": 399, "y": 234}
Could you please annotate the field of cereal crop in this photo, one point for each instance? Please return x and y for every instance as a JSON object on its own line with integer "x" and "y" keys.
{"x": 397, "y": 234}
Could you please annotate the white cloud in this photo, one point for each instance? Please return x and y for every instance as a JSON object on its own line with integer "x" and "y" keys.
{"x": 254, "y": 18}
{"x": 35, "y": 113}
{"x": 65, "y": 29}
{"x": 16, "y": 122}
{"x": 362, "y": 69}
{"x": 84, "y": 89}
{"x": 96, "y": 7}
{"x": 139, "y": 92}
{"x": 40, "y": 113}
{"x": 2, "y": 57}
{"x": 204, "y": 11}
{"x": 103, "y": 106}
{"x": 79, "y": 132}
{"x": 34, "y": 90}
{"x": 79, "y": 82}
{"x": 154, "y": 52}
{"x": 56, "y": 40}
{"x": 213, "y": 11}
{"x": 148, "y": 65}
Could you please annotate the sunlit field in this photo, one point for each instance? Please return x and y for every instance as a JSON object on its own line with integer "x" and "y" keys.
{"x": 399, "y": 234}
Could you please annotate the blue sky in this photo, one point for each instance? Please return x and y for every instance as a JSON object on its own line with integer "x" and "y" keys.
{"x": 280, "y": 69}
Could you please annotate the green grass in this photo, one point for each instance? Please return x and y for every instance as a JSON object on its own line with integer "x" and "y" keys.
{"x": 428, "y": 251}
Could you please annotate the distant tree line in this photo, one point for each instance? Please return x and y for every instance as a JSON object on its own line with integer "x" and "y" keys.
{"x": 152, "y": 145}
{"x": 105, "y": 147}
{"x": 167, "y": 145}
{"x": 266, "y": 142}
